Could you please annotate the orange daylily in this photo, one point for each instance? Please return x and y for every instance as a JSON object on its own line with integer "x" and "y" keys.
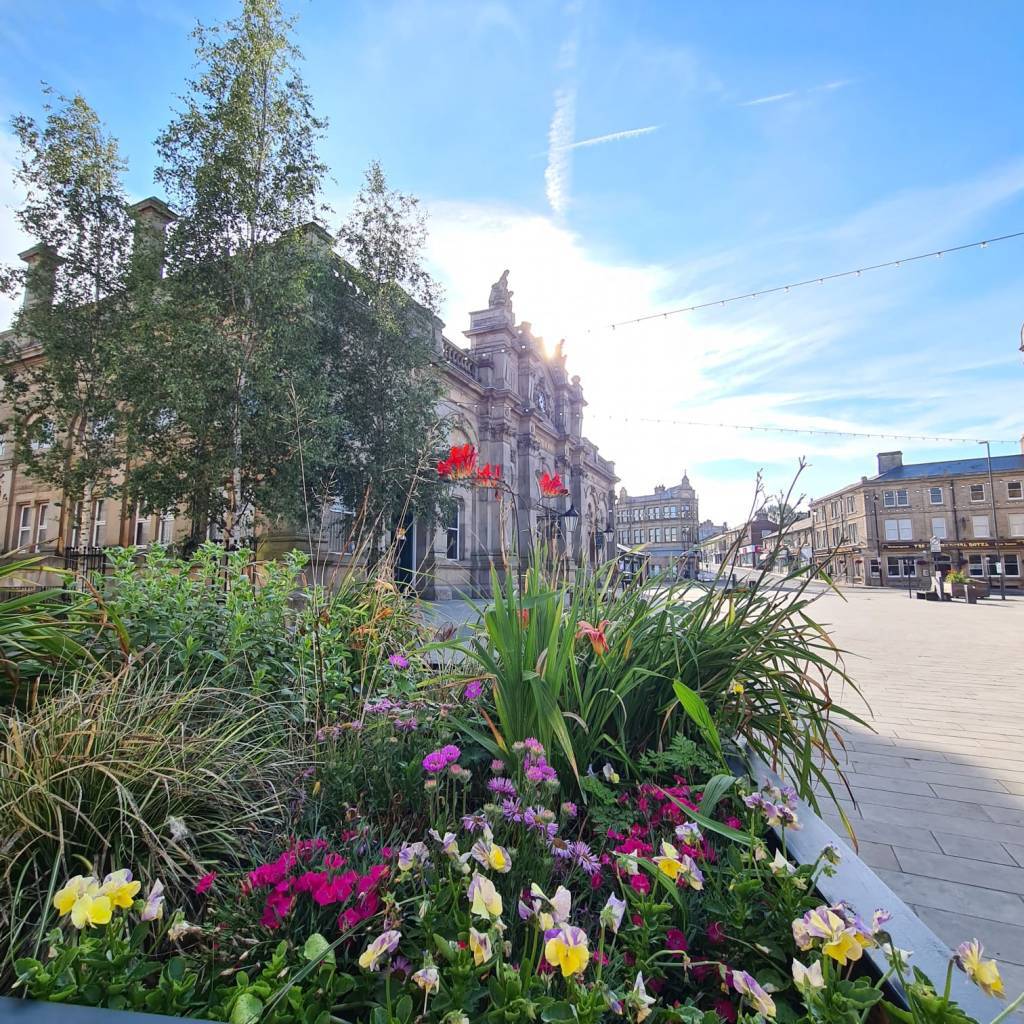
{"x": 595, "y": 634}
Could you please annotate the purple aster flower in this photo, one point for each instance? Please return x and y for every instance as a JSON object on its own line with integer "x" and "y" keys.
{"x": 406, "y": 724}
{"x": 398, "y": 661}
{"x": 583, "y": 857}
{"x": 539, "y": 770}
{"x": 559, "y": 847}
{"x": 512, "y": 810}
{"x": 473, "y": 690}
{"x": 474, "y": 822}
{"x": 569, "y": 809}
{"x": 502, "y": 786}
{"x": 497, "y": 766}
{"x": 534, "y": 746}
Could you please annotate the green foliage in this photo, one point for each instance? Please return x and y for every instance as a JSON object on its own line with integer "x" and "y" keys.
{"x": 140, "y": 770}
{"x": 384, "y": 426}
{"x": 223, "y": 618}
{"x": 926, "y": 1006}
{"x": 43, "y": 632}
{"x": 682, "y": 756}
{"x": 239, "y": 334}
{"x": 64, "y": 408}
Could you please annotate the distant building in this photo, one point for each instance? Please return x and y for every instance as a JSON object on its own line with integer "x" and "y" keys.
{"x": 708, "y": 529}
{"x": 879, "y": 531}
{"x": 742, "y": 546}
{"x": 795, "y": 543}
{"x": 662, "y": 527}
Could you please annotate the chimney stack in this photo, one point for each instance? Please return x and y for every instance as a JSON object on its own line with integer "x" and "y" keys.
{"x": 41, "y": 275}
{"x": 151, "y": 217}
{"x": 889, "y": 460}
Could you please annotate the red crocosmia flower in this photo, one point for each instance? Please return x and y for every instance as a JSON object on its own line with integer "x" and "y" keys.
{"x": 595, "y": 634}
{"x": 524, "y": 616}
{"x": 488, "y": 475}
{"x": 552, "y": 486}
{"x": 460, "y": 464}
{"x": 206, "y": 883}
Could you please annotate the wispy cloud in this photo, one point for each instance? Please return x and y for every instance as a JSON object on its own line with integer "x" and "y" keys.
{"x": 629, "y": 133}
{"x": 558, "y": 173}
{"x": 774, "y": 98}
{"x": 778, "y": 97}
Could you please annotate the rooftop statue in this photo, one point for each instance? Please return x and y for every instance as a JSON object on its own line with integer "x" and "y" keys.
{"x": 501, "y": 297}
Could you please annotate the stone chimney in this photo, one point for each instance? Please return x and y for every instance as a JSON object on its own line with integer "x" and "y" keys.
{"x": 41, "y": 274}
{"x": 889, "y": 460}
{"x": 151, "y": 216}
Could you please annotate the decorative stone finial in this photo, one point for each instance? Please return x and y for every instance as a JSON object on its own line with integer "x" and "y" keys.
{"x": 500, "y": 297}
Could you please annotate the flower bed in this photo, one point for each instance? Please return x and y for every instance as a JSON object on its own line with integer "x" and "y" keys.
{"x": 508, "y": 846}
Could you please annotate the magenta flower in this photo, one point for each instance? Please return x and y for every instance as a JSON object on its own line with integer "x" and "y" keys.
{"x": 398, "y": 661}
{"x": 473, "y": 690}
{"x": 438, "y": 760}
{"x": 534, "y": 746}
{"x": 206, "y": 883}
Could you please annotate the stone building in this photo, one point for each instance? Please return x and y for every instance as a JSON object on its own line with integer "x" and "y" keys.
{"x": 506, "y": 394}
{"x": 795, "y": 545}
{"x": 662, "y": 527}
{"x": 879, "y": 531}
{"x": 513, "y": 399}
{"x": 742, "y": 546}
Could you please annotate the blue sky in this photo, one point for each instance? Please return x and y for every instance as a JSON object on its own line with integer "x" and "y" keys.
{"x": 762, "y": 144}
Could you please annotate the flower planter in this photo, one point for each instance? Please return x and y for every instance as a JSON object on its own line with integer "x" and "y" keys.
{"x": 854, "y": 882}
{"x": 969, "y": 592}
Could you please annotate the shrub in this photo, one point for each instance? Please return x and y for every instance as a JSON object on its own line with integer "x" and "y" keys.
{"x": 144, "y": 770}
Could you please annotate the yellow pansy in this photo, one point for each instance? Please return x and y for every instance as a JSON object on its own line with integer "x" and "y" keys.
{"x": 567, "y": 950}
{"x": 669, "y": 862}
{"x": 984, "y": 973}
{"x": 119, "y": 888}
{"x": 81, "y": 898}
{"x": 89, "y": 910}
{"x": 737, "y": 688}
{"x": 480, "y": 946}
{"x": 484, "y": 899}
{"x": 378, "y": 950}
{"x": 73, "y": 890}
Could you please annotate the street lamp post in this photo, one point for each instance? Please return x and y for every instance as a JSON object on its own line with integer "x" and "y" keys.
{"x": 995, "y": 519}
{"x": 878, "y": 538}
{"x": 571, "y": 519}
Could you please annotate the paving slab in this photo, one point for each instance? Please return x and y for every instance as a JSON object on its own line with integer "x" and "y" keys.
{"x": 939, "y": 786}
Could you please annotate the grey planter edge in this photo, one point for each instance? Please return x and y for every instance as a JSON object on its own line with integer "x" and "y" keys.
{"x": 33, "y": 1011}
{"x": 859, "y": 886}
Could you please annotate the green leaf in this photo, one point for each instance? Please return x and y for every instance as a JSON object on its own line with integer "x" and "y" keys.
{"x": 715, "y": 788}
{"x": 318, "y": 948}
{"x": 247, "y": 1009}
{"x": 699, "y": 714}
{"x": 558, "y": 1011}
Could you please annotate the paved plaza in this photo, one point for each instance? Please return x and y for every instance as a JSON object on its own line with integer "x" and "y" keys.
{"x": 939, "y": 785}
